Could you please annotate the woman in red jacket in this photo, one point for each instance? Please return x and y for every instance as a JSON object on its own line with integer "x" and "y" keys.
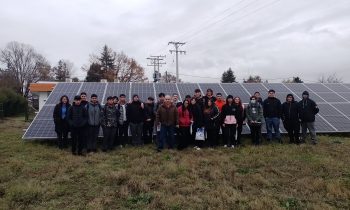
{"x": 185, "y": 118}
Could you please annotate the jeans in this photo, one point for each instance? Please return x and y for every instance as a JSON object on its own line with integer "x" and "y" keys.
{"x": 78, "y": 139}
{"x": 92, "y": 138}
{"x": 123, "y": 133}
{"x": 273, "y": 122}
{"x": 62, "y": 135}
{"x": 311, "y": 127}
{"x": 166, "y": 136}
{"x": 136, "y": 133}
{"x": 148, "y": 131}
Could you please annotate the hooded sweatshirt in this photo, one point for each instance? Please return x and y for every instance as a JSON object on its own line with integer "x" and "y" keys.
{"x": 307, "y": 109}
{"x": 290, "y": 110}
{"x": 255, "y": 112}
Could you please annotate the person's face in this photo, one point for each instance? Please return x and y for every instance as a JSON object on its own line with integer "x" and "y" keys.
{"x": 64, "y": 100}
{"x": 122, "y": 99}
{"x": 209, "y": 93}
{"x": 253, "y": 100}
{"x": 110, "y": 102}
{"x": 77, "y": 102}
{"x": 197, "y": 94}
{"x": 305, "y": 96}
{"x": 289, "y": 98}
{"x": 136, "y": 98}
{"x": 94, "y": 99}
{"x": 167, "y": 100}
{"x": 229, "y": 100}
{"x": 149, "y": 101}
{"x": 271, "y": 94}
{"x": 257, "y": 95}
{"x": 83, "y": 97}
{"x": 193, "y": 101}
{"x": 175, "y": 98}
{"x": 236, "y": 100}
{"x": 210, "y": 103}
{"x": 115, "y": 100}
{"x": 186, "y": 104}
{"x": 219, "y": 97}
{"x": 161, "y": 99}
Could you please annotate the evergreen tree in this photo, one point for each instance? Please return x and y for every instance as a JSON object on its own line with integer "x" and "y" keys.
{"x": 228, "y": 76}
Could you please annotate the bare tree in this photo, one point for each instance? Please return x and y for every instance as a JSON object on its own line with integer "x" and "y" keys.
{"x": 63, "y": 70}
{"x": 253, "y": 79}
{"x": 169, "y": 78}
{"x": 24, "y": 64}
{"x": 333, "y": 78}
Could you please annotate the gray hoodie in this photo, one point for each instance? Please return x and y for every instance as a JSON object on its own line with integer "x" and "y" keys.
{"x": 94, "y": 114}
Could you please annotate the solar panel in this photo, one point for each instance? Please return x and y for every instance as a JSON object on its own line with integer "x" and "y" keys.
{"x": 214, "y": 86}
{"x": 332, "y": 99}
{"x": 186, "y": 89}
{"x": 236, "y": 89}
{"x": 143, "y": 90}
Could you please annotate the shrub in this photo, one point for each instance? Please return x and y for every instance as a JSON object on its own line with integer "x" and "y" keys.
{"x": 13, "y": 103}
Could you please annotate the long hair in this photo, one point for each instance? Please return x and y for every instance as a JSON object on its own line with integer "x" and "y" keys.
{"x": 240, "y": 101}
{"x": 188, "y": 108}
{"x": 207, "y": 108}
{"x": 64, "y": 96}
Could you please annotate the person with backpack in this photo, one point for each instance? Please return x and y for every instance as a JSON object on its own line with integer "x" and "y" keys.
{"x": 255, "y": 119}
{"x": 94, "y": 119}
{"x": 136, "y": 114}
{"x": 240, "y": 119}
{"x": 211, "y": 115}
{"x": 148, "y": 123}
{"x": 272, "y": 108}
{"x": 77, "y": 119}
{"x": 290, "y": 118}
{"x": 123, "y": 124}
{"x": 185, "y": 118}
{"x": 230, "y": 113}
{"x": 308, "y": 109}
{"x": 61, "y": 123}
{"x": 109, "y": 121}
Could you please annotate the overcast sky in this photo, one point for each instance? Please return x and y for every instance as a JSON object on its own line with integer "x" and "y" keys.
{"x": 274, "y": 39}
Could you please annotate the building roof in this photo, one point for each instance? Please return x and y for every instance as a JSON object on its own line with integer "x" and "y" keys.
{"x": 41, "y": 87}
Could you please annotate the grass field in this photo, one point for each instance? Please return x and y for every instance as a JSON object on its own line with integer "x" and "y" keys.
{"x": 36, "y": 175}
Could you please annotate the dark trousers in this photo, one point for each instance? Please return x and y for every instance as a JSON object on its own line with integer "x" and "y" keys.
{"x": 255, "y": 130}
{"x": 136, "y": 134}
{"x": 166, "y": 136}
{"x": 230, "y": 134}
{"x": 212, "y": 139}
{"x": 78, "y": 139}
{"x": 123, "y": 133}
{"x": 184, "y": 137}
{"x": 92, "y": 138}
{"x": 62, "y": 135}
{"x": 148, "y": 131}
{"x": 239, "y": 133}
{"x": 108, "y": 138}
{"x": 198, "y": 143}
{"x": 293, "y": 129}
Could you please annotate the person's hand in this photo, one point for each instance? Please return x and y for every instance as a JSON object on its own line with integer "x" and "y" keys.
{"x": 142, "y": 105}
{"x": 149, "y": 119}
{"x": 177, "y": 126}
{"x": 223, "y": 125}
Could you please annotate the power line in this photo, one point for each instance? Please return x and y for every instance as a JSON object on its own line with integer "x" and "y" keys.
{"x": 177, "y": 51}
{"x": 156, "y": 62}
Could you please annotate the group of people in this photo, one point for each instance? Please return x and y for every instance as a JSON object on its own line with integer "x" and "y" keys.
{"x": 198, "y": 120}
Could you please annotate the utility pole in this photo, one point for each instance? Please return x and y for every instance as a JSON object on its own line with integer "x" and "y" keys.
{"x": 156, "y": 62}
{"x": 177, "y": 51}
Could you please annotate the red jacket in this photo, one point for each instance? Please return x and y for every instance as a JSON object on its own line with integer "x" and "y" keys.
{"x": 220, "y": 104}
{"x": 184, "y": 117}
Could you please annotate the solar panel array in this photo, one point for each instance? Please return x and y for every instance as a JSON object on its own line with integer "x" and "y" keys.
{"x": 332, "y": 99}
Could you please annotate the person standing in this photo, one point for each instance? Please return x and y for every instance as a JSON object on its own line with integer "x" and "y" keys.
{"x": 209, "y": 96}
{"x": 83, "y": 97}
{"x": 308, "y": 109}
{"x": 272, "y": 108}
{"x": 109, "y": 121}
{"x": 148, "y": 124}
{"x": 185, "y": 118}
{"x": 230, "y": 113}
{"x": 123, "y": 124}
{"x": 211, "y": 122}
{"x": 167, "y": 118}
{"x": 240, "y": 119}
{"x": 77, "y": 119}
{"x": 61, "y": 122}
{"x": 135, "y": 114}
{"x": 94, "y": 119}
{"x": 290, "y": 118}
{"x": 197, "y": 121}
{"x": 255, "y": 119}
{"x": 258, "y": 97}
{"x": 161, "y": 99}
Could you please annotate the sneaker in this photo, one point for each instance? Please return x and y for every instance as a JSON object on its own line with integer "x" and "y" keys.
{"x": 121, "y": 146}
{"x": 232, "y": 146}
{"x": 198, "y": 148}
{"x": 195, "y": 147}
{"x": 225, "y": 145}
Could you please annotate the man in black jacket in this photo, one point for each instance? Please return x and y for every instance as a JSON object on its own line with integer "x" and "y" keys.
{"x": 77, "y": 119}
{"x": 135, "y": 114}
{"x": 307, "y": 110}
{"x": 148, "y": 124}
{"x": 272, "y": 112}
{"x": 290, "y": 118}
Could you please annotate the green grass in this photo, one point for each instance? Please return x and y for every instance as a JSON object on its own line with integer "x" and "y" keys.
{"x": 36, "y": 175}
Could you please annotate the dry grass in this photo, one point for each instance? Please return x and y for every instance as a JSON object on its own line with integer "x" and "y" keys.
{"x": 36, "y": 175}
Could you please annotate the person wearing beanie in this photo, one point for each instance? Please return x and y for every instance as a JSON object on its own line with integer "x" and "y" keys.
{"x": 94, "y": 119}
{"x": 290, "y": 118}
{"x": 272, "y": 108}
{"x": 229, "y": 115}
{"x": 255, "y": 118}
{"x": 307, "y": 110}
{"x": 136, "y": 115}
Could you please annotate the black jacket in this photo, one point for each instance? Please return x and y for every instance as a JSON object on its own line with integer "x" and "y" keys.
{"x": 197, "y": 114}
{"x": 272, "y": 107}
{"x": 307, "y": 109}
{"x": 211, "y": 119}
{"x": 231, "y": 110}
{"x": 57, "y": 118}
{"x": 149, "y": 112}
{"x": 290, "y": 112}
{"x": 135, "y": 113}
{"x": 77, "y": 116}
